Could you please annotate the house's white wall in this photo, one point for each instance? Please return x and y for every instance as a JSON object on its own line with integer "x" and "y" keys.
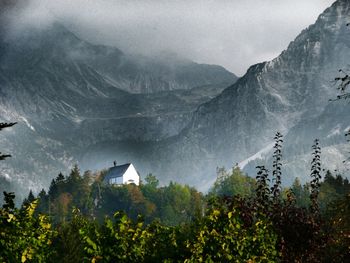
{"x": 131, "y": 175}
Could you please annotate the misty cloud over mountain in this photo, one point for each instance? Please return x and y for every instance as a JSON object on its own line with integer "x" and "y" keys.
{"x": 234, "y": 34}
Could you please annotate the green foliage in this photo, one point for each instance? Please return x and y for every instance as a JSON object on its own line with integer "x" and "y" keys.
{"x": 152, "y": 181}
{"x": 232, "y": 183}
{"x": 29, "y": 199}
{"x": 175, "y": 205}
{"x": 222, "y": 236}
{"x": 65, "y": 193}
{"x": 24, "y": 237}
{"x": 69, "y": 244}
{"x": 172, "y": 204}
{"x": 338, "y": 214}
{"x": 125, "y": 240}
{"x": 301, "y": 193}
{"x": 239, "y": 225}
{"x": 120, "y": 240}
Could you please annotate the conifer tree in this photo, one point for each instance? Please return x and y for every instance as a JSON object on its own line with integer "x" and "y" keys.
{"x": 29, "y": 199}
{"x": 74, "y": 174}
{"x": 60, "y": 178}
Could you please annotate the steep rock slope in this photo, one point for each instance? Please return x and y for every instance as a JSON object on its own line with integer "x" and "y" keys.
{"x": 285, "y": 94}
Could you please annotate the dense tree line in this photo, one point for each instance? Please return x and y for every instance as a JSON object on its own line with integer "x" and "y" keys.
{"x": 82, "y": 220}
{"x": 241, "y": 219}
{"x": 172, "y": 204}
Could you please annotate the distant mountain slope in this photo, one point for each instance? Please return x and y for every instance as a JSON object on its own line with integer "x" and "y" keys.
{"x": 288, "y": 94}
{"x": 130, "y": 73}
{"x": 70, "y": 96}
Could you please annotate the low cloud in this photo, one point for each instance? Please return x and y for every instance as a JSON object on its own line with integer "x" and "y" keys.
{"x": 231, "y": 33}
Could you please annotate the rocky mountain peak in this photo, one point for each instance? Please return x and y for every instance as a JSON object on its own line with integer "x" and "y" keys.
{"x": 290, "y": 91}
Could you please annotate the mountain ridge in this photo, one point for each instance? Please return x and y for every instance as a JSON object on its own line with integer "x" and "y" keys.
{"x": 290, "y": 90}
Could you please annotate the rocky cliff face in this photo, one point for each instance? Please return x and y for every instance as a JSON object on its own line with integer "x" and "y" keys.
{"x": 289, "y": 94}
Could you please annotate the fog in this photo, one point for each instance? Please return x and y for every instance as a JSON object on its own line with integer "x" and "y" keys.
{"x": 231, "y": 33}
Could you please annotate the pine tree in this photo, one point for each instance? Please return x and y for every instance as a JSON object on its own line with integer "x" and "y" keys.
{"x": 53, "y": 188}
{"x": 74, "y": 174}
{"x": 9, "y": 203}
{"x": 29, "y": 199}
{"x": 60, "y": 178}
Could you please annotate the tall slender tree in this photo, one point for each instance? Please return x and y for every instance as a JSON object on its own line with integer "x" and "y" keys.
{"x": 277, "y": 167}
{"x": 315, "y": 175}
{"x": 262, "y": 191}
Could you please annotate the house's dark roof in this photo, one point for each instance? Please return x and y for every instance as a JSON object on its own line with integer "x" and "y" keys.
{"x": 116, "y": 171}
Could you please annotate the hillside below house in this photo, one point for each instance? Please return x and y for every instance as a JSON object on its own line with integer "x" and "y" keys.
{"x": 122, "y": 174}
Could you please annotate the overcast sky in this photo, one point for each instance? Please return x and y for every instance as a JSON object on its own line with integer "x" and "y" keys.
{"x": 231, "y": 33}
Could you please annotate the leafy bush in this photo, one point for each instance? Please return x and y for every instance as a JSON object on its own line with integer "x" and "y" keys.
{"x": 24, "y": 237}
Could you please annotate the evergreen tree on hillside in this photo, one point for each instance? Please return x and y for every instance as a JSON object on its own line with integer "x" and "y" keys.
{"x": 60, "y": 178}
{"x": 74, "y": 175}
{"x": 29, "y": 199}
{"x": 301, "y": 193}
{"x": 152, "y": 181}
{"x": 150, "y": 188}
{"x": 43, "y": 202}
{"x": 232, "y": 183}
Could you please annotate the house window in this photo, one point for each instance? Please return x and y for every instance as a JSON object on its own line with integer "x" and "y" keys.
{"x": 113, "y": 181}
{"x": 117, "y": 180}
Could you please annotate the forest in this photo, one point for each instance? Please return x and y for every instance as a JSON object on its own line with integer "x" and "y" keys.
{"x": 240, "y": 219}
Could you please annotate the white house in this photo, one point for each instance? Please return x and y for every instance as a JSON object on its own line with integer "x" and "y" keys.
{"x": 122, "y": 174}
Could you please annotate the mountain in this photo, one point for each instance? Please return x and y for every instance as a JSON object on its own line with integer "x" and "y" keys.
{"x": 78, "y": 102}
{"x": 71, "y": 97}
{"x": 289, "y": 94}
{"x": 58, "y": 47}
